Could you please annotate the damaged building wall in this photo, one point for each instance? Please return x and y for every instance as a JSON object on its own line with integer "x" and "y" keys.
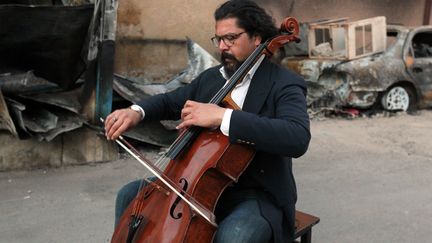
{"x": 41, "y": 121}
{"x": 151, "y": 34}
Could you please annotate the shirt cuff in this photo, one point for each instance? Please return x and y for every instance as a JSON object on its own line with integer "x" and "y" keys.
{"x": 224, "y": 127}
{"x": 142, "y": 113}
{"x": 139, "y": 109}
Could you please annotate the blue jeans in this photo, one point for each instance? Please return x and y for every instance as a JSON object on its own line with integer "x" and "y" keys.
{"x": 241, "y": 220}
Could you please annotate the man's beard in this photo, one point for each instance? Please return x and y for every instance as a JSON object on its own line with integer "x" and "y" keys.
{"x": 231, "y": 66}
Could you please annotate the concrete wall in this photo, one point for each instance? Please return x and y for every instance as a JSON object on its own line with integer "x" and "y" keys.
{"x": 151, "y": 34}
{"x": 81, "y": 146}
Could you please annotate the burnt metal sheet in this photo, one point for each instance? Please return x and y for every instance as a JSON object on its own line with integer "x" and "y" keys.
{"x": 152, "y": 133}
{"x": 46, "y": 123}
{"x": 29, "y": 86}
{"x": 39, "y": 120}
{"x": 19, "y": 82}
{"x": 43, "y": 121}
{"x": 198, "y": 61}
{"x": 68, "y": 100}
{"x": 6, "y": 122}
{"x": 16, "y": 108}
{"x": 66, "y": 121}
{"x": 46, "y": 39}
{"x": 128, "y": 89}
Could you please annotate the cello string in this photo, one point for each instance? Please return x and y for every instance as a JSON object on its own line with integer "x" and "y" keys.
{"x": 184, "y": 139}
{"x": 162, "y": 162}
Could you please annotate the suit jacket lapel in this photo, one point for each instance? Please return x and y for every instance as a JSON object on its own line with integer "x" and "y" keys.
{"x": 259, "y": 88}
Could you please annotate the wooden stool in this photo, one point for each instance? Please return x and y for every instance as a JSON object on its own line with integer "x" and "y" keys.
{"x": 303, "y": 226}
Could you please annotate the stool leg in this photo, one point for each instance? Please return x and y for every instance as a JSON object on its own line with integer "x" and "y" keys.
{"x": 306, "y": 238}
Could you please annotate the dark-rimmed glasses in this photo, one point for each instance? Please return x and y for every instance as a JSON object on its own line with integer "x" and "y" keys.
{"x": 228, "y": 39}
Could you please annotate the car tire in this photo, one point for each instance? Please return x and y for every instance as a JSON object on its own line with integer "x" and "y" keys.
{"x": 398, "y": 98}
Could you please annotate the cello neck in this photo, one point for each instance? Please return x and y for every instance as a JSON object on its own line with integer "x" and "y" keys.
{"x": 288, "y": 32}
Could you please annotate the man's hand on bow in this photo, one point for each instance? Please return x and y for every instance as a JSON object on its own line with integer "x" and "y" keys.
{"x": 119, "y": 121}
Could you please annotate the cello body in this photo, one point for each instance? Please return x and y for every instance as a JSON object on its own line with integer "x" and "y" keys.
{"x": 208, "y": 167}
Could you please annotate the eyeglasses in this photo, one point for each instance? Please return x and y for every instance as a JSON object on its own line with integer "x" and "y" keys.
{"x": 228, "y": 39}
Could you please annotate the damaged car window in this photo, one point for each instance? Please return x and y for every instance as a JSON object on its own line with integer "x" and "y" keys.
{"x": 422, "y": 45}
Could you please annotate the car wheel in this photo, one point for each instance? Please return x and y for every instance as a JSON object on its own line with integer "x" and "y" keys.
{"x": 398, "y": 98}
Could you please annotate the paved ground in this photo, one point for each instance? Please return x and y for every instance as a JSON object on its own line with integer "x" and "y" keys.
{"x": 369, "y": 180}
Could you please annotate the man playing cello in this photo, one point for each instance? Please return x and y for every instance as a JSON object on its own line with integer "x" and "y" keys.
{"x": 273, "y": 119}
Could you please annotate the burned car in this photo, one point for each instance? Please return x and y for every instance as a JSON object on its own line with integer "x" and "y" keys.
{"x": 365, "y": 63}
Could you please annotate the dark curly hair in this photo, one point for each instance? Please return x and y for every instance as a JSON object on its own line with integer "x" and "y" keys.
{"x": 250, "y": 17}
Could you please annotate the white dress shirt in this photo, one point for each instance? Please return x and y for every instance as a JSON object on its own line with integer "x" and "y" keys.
{"x": 238, "y": 94}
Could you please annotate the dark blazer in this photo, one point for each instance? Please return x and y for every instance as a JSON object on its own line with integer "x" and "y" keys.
{"x": 273, "y": 120}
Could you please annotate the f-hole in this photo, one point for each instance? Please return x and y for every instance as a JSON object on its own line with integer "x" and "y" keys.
{"x": 178, "y": 199}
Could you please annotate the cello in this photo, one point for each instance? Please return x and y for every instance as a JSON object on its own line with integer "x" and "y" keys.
{"x": 178, "y": 205}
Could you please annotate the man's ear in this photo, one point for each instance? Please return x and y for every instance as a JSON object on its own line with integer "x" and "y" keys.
{"x": 257, "y": 40}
